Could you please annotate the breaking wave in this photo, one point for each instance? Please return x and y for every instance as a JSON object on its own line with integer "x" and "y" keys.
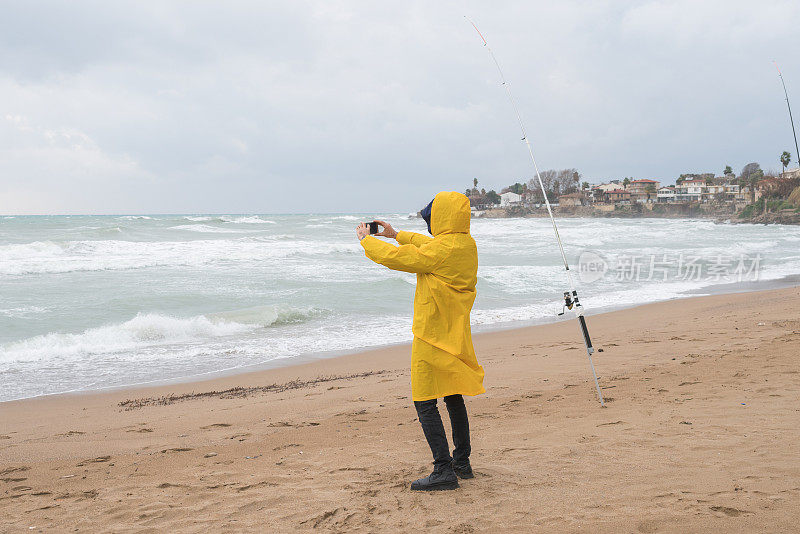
{"x": 246, "y": 220}
{"x": 152, "y": 329}
{"x": 204, "y": 228}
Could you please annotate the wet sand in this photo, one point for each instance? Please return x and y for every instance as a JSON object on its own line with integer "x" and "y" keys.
{"x": 701, "y": 433}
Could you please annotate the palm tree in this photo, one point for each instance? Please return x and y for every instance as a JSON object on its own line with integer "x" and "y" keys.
{"x": 786, "y": 157}
{"x": 475, "y": 183}
{"x": 728, "y": 171}
{"x": 625, "y": 182}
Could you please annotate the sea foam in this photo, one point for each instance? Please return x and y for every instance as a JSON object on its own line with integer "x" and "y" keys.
{"x": 151, "y": 329}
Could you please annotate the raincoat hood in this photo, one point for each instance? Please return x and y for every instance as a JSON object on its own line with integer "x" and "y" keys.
{"x": 449, "y": 214}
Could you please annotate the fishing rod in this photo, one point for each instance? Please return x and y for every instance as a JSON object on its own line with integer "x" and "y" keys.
{"x": 791, "y": 120}
{"x": 571, "y": 301}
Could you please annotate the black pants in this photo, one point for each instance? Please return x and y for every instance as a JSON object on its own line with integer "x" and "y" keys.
{"x": 433, "y": 428}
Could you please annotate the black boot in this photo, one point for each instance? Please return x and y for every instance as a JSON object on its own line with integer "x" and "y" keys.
{"x": 443, "y": 478}
{"x": 463, "y": 470}
{"x": 460, "y": 425}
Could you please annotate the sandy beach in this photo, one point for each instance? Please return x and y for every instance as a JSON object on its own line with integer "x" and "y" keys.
{"x": 700, "y": 434}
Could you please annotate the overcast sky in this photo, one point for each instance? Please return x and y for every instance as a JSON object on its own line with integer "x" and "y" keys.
{"x": 272, "y": 107}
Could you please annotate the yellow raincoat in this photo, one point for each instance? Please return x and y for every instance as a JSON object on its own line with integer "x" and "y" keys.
{"x": 442, "y": 357}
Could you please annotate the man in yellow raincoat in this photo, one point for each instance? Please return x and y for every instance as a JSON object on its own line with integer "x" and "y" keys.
{"x": 443, "y": 362}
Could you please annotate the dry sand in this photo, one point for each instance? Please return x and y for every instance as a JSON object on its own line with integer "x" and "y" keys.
{"x": 701, "y": 434}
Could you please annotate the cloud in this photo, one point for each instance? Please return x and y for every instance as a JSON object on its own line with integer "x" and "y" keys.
{"x": 329, "y": 106}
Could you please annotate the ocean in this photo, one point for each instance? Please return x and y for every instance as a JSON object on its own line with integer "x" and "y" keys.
{"x": 92, "y": 302}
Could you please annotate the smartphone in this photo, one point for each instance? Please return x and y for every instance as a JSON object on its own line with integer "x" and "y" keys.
{"x": 373, "y": 227}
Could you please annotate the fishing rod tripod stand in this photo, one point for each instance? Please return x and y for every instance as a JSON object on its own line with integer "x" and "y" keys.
{"x": 571, "y": 302}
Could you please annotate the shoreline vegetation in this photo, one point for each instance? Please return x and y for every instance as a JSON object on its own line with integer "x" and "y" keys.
{"x": 751, "y": 197}
{"x": 698, "y": 435}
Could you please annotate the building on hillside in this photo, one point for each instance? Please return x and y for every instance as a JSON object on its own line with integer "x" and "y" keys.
{"x": 712, "y": 192}
{"x": 666, "y": 194}
{"x": 510, "y": 199}
{"x": 642, "y": 185}
{"x": 689, "y": 191}
{"x": 531, "y": 197}
{"x": 745, "y": 195}
{"x": 617, "y": 196}
{"x": 767, "y": 186}
{"x": 478, "y": 201}
{"x": 731, "y": 191}
{"x": 613, "y": 184}
{"x": 643, "y": 190}
{"x": 571, "y": 199}
{"x": 598, "y": 192}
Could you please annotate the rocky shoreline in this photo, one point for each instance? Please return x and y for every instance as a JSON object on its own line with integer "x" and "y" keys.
{"x": 726, "y": 213}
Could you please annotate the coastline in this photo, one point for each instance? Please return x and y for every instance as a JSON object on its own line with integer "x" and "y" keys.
{"x": 698, "y": 436}
{"x": 784, "y": 282}
{"x": 721, "y": 216}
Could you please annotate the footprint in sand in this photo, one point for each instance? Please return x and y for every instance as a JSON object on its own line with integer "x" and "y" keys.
{"x": 97, "y": 460}
{"x": 91, "y": 494}
{"x": 279, "y": 424}
{"x": 15, "y": 471}
{"x": 325, "y": 518}
{"x": 257, "y": 485}
{"x": 730, "y": 512}
{"x": 288, "y": 445}
{"x": 215, "y": 425}
{"x": 611, "y": 423}
{"x": 359, "y": 412}
{"x": 70, "y": 434}
{"x": 9, "y": 470}
{"x": 282, "y": 424}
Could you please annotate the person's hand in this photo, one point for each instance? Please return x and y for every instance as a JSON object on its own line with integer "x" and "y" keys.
{"x": 362, "y": 231}
{"x": 387, "y": 231}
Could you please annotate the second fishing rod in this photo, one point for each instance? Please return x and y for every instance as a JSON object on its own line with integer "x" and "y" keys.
{"x": 571, "y": 300}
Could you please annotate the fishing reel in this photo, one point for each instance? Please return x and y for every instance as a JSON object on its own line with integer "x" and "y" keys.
{"x": 570, "y": 301}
